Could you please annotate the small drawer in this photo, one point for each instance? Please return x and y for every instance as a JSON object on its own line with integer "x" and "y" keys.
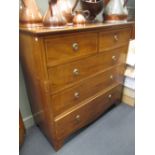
{"x": 86, "y": 113}
{"x": 65, "y": 75}
{"x": 60, "y": 49}
{"x": 85, "y": 89}
{"x": 113, "y": 39}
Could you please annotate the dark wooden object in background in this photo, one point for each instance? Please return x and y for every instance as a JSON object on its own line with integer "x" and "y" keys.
{"x": 73, "y": 74}
{"x": 21, "y": 130}
{"x": 133, "y": 31}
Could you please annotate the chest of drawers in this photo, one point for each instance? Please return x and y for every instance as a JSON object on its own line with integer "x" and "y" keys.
{"x": 73, "y": 74}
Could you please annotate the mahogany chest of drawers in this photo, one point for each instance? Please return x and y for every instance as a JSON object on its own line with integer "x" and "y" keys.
{"x": 73, "y": 74}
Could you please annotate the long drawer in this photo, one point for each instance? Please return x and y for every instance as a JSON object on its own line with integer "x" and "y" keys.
{"x": 67, "y": 74}
{"x": 68, "y": 47}
{"x": 113, "y": 39}
{"x": 86, "y": 113}
{"x": 70, "y": 97}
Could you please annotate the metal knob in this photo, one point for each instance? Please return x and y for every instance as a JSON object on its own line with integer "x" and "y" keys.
{"x": 111, "y": 77}
{"x": 76, "y": 71}
{"x": 76, "y": 94}
{"x": 114, "y": 58}
{"x": 109, "y": 96}
{"x": 36, "y": 39}
{"x": 75, "y": 46}
{"x": 77, "y": 118}
{"x": 116, "y": 37}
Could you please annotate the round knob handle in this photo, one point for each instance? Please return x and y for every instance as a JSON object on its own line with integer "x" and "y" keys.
{"x": 109, "y": 96}
{"x": 116, "y": 37}
{"x": 114, "y": 58}
{"x": 76, "y": 94}
{"x": 75, "y": 46}
{"x": 77, "y": 118}
{"x": 111, "y": 77}
{"x": 76, "y": 71}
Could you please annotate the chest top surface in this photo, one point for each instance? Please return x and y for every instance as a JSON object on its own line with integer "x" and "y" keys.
{"x": 88, "y": 27}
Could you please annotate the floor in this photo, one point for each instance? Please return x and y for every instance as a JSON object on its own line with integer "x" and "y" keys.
{"x": 111, "y": 134}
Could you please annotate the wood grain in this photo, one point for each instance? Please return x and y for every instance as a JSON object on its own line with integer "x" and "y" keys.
{"x": 86, "y": 112}
{"x": 54, "y": 72}
{"x": 85, "y": 89}
{"x": 62, "y": 48}
{"x": 64, "y": 76}
{"x": 113, "y": 39}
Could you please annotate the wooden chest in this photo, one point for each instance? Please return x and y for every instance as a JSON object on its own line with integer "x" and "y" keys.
{"x": 73, "y": 74}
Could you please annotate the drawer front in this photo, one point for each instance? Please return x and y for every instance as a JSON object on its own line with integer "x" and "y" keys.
{"x": 63, "y": 75}
{"x": 113, "y": 39}
{"x": 70, "y": 47}
{"x": 86, "y": 113}
{"x": 73, "y": 96}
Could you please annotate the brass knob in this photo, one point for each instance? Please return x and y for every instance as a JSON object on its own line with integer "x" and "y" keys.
{"x": 114, "y": 58}
{"x": 111, "y": 77}
{"x": 75, "y": 46}
{"x": 77, "y": 118}
{"x": 115, "y": 37}
{"x": 36, "y": 39}
{"x": 76, "y": 94}
{"x": 109, "y": 96}
{"x": 76, "y": 71}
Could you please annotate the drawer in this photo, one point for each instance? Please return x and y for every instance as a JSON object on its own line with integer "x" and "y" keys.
{"x": 86, "y": 113}
{"x": 113, "y": 39}
{"x": 63, "y": 48}
{"x": 64, "y": 75}
{"x": 73, "y": 96}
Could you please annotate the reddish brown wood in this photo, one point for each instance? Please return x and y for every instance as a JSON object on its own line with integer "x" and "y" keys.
{"x": 63, "y": 48}
{"x": 95, "y": 64}
{"x": 133, "y": 31}
{"x": 49, "y": 60}
{"x": 87, "y": 111}
{"x": 109, "y": 40}
{"x": 21, "y": 130}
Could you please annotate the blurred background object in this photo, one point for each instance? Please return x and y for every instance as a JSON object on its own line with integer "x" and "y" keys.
{"x": 116, "y": 10}
{"x": 53, "y": 16}
{"x": 93, "y": 6}
{"x": 29, "y": 14}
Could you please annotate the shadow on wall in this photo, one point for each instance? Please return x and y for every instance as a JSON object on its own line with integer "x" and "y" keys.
{"x": 24, "y": 102}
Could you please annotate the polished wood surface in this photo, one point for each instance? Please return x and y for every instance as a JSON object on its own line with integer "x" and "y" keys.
{"x": 65, "y": 76}
{"x": 72, "y": 74}
{"x": 44, "y": 31}
{"x": 85, "y": 89}
{"x": 62, "y": 48}
{"x": 87, "y": 111}
{"x": 21, "y": 130}
{"x": 113, "y": 39}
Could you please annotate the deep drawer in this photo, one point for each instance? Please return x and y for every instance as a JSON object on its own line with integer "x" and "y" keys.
{"x": 88, "y": 112}
{"x": 113, "y": 39}
{"x": 73, "y": 96}
{"x": 63, "y": 48}
{"x": 64, "y": 75}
